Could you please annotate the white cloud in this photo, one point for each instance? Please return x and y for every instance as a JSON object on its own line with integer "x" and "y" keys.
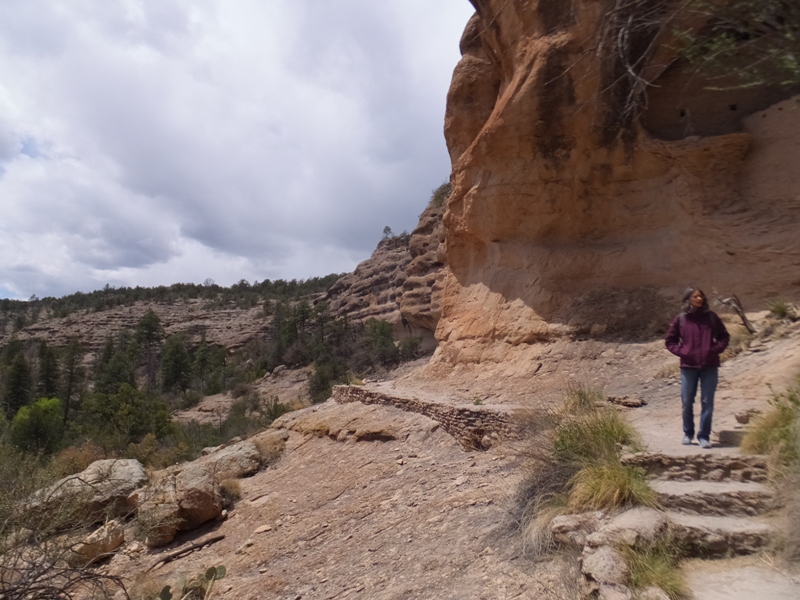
{"x": 152, "y": 141}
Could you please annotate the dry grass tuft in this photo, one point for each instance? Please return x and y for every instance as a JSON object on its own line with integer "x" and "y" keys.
{"x": 669, "y": 371}
{"x": 740, "y": 341}
{"x": 573, "y": 464}
{"x": 607, "y": 485}
{"x": 270, "y": 446}
{"x": 657, "y": 565}
{"x": 777, "y": 432}
{"x": 595, "y": 437}
{"x": 582, "y": 399}
{"x": 231, "y": 490}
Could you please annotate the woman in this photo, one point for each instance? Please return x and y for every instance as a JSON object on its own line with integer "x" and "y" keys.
{"x": 698, "y": 337}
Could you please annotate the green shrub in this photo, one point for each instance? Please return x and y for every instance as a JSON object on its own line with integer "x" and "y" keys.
{"x": 39, "y": 426}
{"x": 745, "y": 43}
{"x": 274, "y": 409}
{"x": 780, "y": 308}
{"x": 118, "y": 419}
{"x": 197, "y": 587}
{"x": 409, "y": 347}
{"x": 439, "y": 195}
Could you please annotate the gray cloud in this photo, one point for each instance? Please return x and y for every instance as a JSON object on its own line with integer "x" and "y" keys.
{"x": 155, "y": 141}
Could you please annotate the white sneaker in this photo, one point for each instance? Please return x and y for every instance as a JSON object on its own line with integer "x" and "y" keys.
{"x": 687, "y": 441}
{"x": 704, "y": 443}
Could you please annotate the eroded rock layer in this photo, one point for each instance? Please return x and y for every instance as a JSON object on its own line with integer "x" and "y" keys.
{"x": 372, "y": 291}
{"x": 401, "y": 282}
{"x": 420, "y": 303}
{"x": 568, "y": 215}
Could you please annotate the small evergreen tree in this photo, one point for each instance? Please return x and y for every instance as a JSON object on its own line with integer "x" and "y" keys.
{"x": 18, "y": 386}
{"x": 73, "y": 374}
{"x": 149, "y": 333}
{"x": 47, "y": 386}
{"x": 116, "y": 371}
{"x": 176, "y": 365}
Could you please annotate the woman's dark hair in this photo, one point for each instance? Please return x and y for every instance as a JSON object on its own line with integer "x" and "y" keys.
{"x": 687, "y": 297}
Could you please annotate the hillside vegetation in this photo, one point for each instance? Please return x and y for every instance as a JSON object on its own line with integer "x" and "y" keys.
{"x": 77, "y": 403}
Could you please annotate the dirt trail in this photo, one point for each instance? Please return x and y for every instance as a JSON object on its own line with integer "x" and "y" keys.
{"x": 375, "y": 502}
{"x": 744, "y": 385}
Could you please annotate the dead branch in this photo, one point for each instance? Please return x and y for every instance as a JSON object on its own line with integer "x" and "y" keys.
{"x": 184, "y": 551}
{"x": 734, "y": 302}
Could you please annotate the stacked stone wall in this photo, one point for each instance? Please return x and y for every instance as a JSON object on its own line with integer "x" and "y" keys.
{"x": 475, "y": 427}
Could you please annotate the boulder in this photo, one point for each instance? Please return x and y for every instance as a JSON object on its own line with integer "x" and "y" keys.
{"x": 605, "y": 565}
{"x": 614, "y": 592}
{"x": 98, "y": 491}
{"x": 180, "y": 498}
{"x": 198, "y": 495}
{"x": 233, "y": 461}
{"x": 573, "y": 530}
{"x": 640, "y": 525}
{"x": 104, "y": 540}
{"x": 653, "y": 593}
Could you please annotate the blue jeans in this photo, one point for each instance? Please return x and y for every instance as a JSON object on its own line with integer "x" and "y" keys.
{"x": 708, "y": 385}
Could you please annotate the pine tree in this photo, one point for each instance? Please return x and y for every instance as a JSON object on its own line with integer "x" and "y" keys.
{"x": 73, "y": 374}
{"x": 176, "y": 364}
{"x": 47, "y": 386}
{"x": 18, "y": 387}
{"x": 149, "y": 333}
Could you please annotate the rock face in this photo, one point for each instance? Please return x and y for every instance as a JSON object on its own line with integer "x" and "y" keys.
{"x": 229, "y": 327}
{"x": 421, "y": 301}
{"x": 569, "y": 212}
{"x": 373, "y": 289}
{"x": 401, "y": 282}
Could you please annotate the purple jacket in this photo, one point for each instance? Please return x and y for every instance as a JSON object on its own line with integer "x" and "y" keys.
{"x": 698, "y": 338}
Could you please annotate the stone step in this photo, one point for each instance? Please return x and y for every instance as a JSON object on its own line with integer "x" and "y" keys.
{"x": 716, "y": 498}
{"x": 704, "y": 535}
{"x": 705, "y": 466}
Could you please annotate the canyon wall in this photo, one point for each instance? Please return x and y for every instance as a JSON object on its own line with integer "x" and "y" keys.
{"x": 570, "y": 216}
{"x": 400, "y": 283}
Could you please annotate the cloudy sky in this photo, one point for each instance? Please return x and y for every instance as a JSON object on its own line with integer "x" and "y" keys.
{"x": 147, "y": 142}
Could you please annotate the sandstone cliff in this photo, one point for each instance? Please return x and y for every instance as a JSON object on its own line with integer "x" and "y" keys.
{"x": 401, "y": 282}
{"x": 569, "y": 212}
{"x": 420, "y": 304}
{"x": 373, "y": 289}
{"x": 230, "y": 327}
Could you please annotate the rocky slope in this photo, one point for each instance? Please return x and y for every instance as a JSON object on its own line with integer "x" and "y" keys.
{"x": 568, "y": 213}
{"x": 377, "y": 495}
{"x": 229, "y": 327}
{"x": 401, "y": 282}
{"x": 373, "y": 289}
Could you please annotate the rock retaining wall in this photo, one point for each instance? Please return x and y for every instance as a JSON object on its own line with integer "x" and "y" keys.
{"x": 475, "y": 427}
